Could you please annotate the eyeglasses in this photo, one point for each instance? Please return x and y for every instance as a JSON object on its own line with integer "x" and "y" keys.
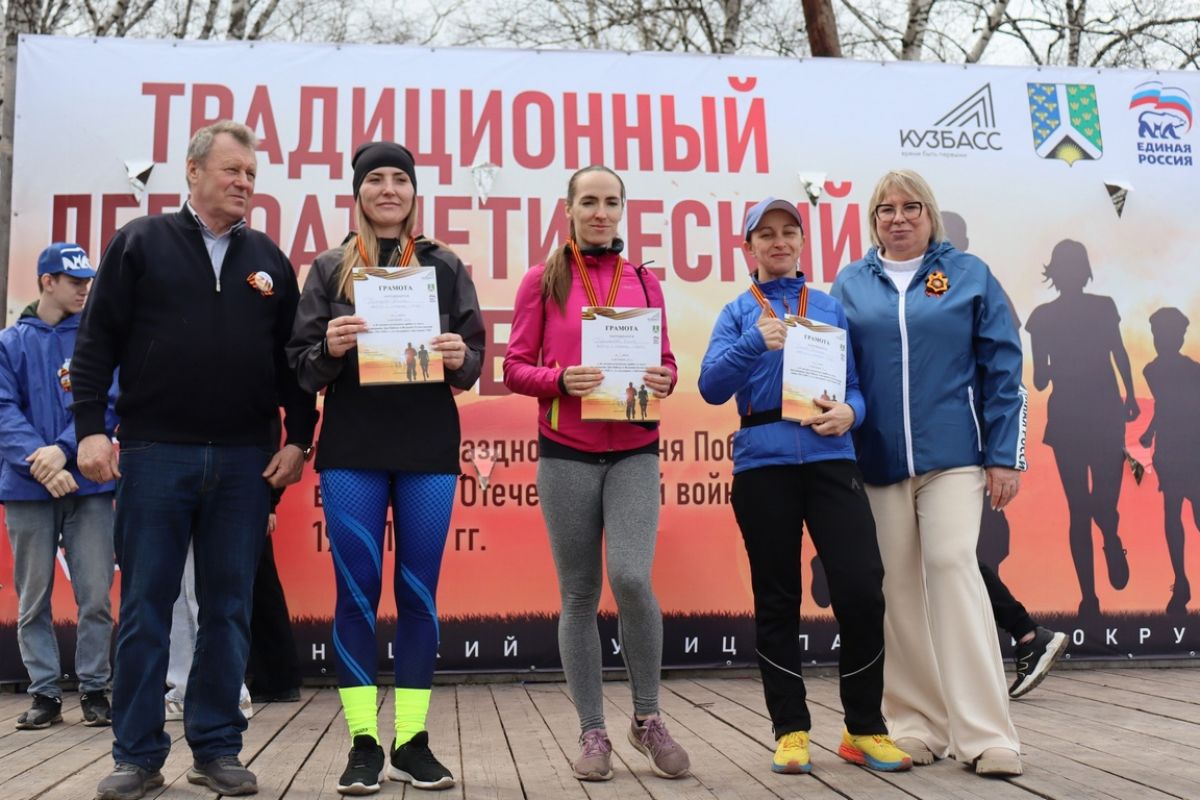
{"x": 910, "y": 211}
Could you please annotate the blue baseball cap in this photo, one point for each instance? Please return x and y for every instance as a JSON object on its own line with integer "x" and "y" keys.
{"x": 760, "y": 209}
{"x": 66, "y": 258}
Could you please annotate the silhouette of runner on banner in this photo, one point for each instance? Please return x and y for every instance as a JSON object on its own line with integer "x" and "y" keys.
{"x": 1076, "y": 341}
{"x": 1174, "y": 380}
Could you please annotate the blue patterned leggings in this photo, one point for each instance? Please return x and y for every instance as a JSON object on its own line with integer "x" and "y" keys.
{"x": 356, "y": 504}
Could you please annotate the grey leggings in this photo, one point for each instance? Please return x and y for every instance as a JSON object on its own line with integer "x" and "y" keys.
{"x": 617, "y": 504}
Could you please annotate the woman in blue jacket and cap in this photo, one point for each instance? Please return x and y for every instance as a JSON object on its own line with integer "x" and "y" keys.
{"x": 786, "y": 474}
{"x": 939, "y": 364}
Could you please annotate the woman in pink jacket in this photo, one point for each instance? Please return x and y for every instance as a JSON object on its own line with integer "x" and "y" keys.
{"x": 597, "y": 481}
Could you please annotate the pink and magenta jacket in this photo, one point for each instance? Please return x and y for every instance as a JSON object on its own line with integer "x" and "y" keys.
{"x": 545, "y": 341}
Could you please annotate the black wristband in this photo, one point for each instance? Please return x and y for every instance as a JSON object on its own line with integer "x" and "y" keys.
{"x": 562, "y": 384}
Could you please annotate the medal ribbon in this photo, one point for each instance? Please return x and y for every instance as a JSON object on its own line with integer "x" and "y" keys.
{"x": 586, "y": 279}
{"x": 801, "y": 302}
{"x": 405, "y": 257}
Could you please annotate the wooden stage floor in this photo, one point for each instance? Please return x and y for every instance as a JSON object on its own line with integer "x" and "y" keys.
{"x": 1086, "y": 733}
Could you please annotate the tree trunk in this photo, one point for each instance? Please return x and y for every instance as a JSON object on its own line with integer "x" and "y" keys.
{"x": 823, "y": 37}
{"x": 119, "y": 10}
{"x": 185, "y": 18}
{"x": 731, "y": 38}
{"x": 994, "y": 18}
{"x": 19, "y": 18}
{"x": 238, "y": 11}
{"x": 1076, "y": 14}
{"x": 914, "y": 33}
{"x": 210, "y": 20}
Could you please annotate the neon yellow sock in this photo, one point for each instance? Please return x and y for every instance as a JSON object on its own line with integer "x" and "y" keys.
{"x": 361, "y": 705}
{"x": 412, "y": 705}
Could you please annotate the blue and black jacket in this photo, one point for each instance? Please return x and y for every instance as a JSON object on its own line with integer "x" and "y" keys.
{"x": 738, "y": 362}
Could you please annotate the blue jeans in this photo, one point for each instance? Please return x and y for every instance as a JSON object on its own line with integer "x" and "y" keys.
{"x": 86, "y": 526}
{"x": 170, "y": 495}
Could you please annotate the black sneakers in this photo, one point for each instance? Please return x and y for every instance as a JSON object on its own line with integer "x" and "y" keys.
{"x": 128, "y": 782}
{"x": 413, "y": 762}
{"x": 45, "y": 712}
{"x": 97, "y": 713}
{"x": 364, "y": 769}
{"x": 1035, "y": 658}
{"x": 224, "y": 775}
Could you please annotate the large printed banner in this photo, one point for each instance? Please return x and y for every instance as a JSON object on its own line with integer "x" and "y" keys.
{"x": 1023, "y": 160}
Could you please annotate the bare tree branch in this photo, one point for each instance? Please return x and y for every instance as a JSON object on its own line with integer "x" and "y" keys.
{"x": 1015, "y": 30}
{"x": 128, "y": 21}
{"x": 867, "y": 23}
{"x": 92, "y": 13}
{"x": 263, "y": 18}
{"x": 1122, "y": 37}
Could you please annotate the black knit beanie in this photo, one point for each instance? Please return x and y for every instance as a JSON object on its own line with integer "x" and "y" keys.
{"x": 373, "y": 155}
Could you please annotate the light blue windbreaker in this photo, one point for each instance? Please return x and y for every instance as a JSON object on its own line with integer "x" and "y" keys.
{"x": 941, "y": 372}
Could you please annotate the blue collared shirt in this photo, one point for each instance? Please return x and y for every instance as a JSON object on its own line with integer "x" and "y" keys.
{"x": 217, "y": 245}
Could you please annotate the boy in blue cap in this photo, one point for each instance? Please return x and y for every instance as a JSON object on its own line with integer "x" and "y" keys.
{"x": 46, "y": 498}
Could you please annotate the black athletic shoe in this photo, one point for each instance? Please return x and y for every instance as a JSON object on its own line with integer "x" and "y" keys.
{"x": 128, "y": 782}
{"x": 413, "y": 762}
{"x": 364, "y": 769}
{"x": 224, "y": 775}
{"x": 45, "y": 712}
{"x": 1035, "y": 658}
{"x": 97, "y": 713}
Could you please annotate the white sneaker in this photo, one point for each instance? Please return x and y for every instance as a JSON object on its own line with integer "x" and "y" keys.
{"x": 174, "y": 710}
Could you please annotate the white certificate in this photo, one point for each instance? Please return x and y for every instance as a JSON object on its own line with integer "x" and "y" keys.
{"x": 622, "y": 343}
{"x": 814, "y": 367}
{"x": 400, "y": 307}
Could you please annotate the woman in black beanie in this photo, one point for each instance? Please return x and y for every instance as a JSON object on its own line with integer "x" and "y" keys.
{"x": 381, "y": 446}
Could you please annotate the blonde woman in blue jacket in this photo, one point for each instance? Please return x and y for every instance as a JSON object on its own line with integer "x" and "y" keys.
{"x": 939, "y": 365}
{"x": 786, "y": 474}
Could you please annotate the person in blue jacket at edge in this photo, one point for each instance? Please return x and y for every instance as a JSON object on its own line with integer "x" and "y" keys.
{"x": 788, "y": 474}
{"x": 45, "y": 497}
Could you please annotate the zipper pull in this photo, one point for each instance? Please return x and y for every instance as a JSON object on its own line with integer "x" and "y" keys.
{"x": 218, "y": 283}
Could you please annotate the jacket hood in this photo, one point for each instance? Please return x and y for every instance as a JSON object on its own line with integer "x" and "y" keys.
{"x": 29, "y": 317}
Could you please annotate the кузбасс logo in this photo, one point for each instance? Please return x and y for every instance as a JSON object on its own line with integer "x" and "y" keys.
{"x": 1164, "y": 117}
{"x": 969, "y": 127}
{"x": 1066, "y": 121}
